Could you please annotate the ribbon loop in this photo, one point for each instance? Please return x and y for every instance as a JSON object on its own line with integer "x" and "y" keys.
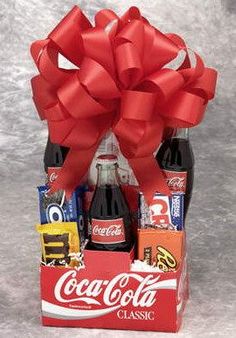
{"x": 161, "y": 50}
{"x": 97, "y": 46}
{"x": 137, "y": 105}
{"x": 205, "y": 85}
{"x": 130, "y": 67}
{"x": 184, "y": 110}
{"x": 91, "y": 73}
{"x": 132, "y": 13}
{"x": 66, "y": 35}
{"x": 165, "y": 83}
{"x": 77, "y": 101}
{"x": 133, "y": 33}
{"x": 105, "y": 17}
{"x": 36, "y": 49}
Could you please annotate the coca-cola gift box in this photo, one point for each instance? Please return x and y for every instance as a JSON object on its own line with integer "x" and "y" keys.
{"x": 106, "y": 293}
{"x": 118, "y": 125}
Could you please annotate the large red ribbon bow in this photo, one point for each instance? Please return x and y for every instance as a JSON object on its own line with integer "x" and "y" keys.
{"x": 122, "y": 83}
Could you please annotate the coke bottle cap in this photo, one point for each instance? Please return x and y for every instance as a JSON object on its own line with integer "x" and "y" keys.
{"x": 107, "y": 159}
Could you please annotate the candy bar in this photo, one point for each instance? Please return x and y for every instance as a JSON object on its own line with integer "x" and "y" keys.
{"x": 58, "y": 242}
{"x": 160, "y": 248}
{"x": 164, "y": 212}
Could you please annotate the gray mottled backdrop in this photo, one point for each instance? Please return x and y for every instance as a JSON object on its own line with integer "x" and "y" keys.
{"x": 209, "y": 27}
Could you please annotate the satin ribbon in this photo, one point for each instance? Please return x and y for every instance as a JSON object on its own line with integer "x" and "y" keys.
{"x": 120, "y": 83}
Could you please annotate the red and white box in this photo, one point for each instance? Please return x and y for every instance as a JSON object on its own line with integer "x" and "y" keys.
{"x": 107, "y": 293}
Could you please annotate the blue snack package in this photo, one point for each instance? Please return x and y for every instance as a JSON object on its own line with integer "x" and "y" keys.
{"x": 55, "y": 208}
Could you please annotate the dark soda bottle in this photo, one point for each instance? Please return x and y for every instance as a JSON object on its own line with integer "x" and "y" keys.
{"x": 175, "y": 157}
{"x": 54, "y": 158}
{"x": 109, "y": 216}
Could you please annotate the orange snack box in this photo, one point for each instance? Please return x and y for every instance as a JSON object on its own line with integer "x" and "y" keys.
{"x": 161, "y": 248}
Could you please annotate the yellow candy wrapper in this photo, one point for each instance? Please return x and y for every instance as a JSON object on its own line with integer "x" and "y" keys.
{"x": 60, "y": 243}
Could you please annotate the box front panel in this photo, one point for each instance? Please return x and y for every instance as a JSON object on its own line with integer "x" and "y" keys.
{"x": 127, "y": 300}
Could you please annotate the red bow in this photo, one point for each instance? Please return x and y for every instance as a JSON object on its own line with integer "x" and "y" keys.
{"x": 120, "y": 85}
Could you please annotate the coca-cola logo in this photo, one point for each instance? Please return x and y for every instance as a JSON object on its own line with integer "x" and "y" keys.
{"x": 85, "y": 298}
{"x": 176, "y": 180}
{"x": 176, "y": 183}
{"x": 112, "y": 230}
{"x": 115, "y": 292}
{"x": 108, "y": 231}
{"x": 52, "y": 177}
{"x": 52, "y": 174}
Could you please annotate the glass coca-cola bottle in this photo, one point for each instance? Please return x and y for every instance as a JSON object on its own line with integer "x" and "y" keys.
{"x": 54, "y": 158}
{"x": 109, "y": 216}
{"x": 175, "y": 158}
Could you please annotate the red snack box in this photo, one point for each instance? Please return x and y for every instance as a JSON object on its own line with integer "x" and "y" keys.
{"x": 114, "y": 297}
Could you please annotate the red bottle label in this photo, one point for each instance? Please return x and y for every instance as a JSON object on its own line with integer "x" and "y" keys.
{"x": 176, "y": 180}
{"x": 108, "y": 231}
{"x": 52, "y": 175}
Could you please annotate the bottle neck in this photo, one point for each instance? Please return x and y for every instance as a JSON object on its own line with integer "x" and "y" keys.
{"x": 107, "y": 175}
{"x": 182, "y": 133}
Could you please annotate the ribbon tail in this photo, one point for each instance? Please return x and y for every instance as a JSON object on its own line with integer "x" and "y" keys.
{"x": 149, "y": 177}
{"x": 73, "y": 171}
